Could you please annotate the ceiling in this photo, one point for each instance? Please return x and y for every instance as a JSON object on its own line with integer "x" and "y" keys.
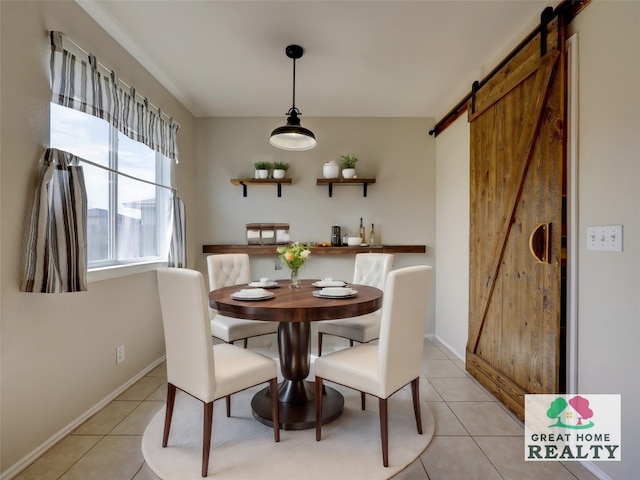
{"x": 362, "y": 58}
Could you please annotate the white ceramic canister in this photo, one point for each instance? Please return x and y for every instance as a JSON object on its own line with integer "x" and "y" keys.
{"x": 331, "y": 169}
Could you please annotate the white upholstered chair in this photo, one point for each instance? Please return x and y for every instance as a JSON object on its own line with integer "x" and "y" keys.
{"x": 370, "y": 269}
{"x": 233, "y": 269}
{"x": 194, "y": 365}
{"x": 385, "y": 368}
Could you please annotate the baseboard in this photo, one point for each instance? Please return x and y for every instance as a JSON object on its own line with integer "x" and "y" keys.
{"x": 434, "y": 337}
{"x": 593, "y": 468}
{"x": 18, "y": 467}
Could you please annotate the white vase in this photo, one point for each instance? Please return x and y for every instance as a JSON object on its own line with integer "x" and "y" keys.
{"x": 349, "y": 172}
{"x": 262, "y": 173}
{"x": 330, "y": 170}
{"x": 277, "y": 173}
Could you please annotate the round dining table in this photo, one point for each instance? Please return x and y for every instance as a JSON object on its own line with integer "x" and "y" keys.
{"x": 295, "y": 309}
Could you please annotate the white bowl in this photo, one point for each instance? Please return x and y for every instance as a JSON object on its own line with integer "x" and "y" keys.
{"x": 337, "y": 291}
{"x": 354, "y": 241}
{"x": 251, "y": 293}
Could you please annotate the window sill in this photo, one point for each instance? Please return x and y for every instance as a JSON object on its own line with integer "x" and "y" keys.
{"x": 116, "y": 271}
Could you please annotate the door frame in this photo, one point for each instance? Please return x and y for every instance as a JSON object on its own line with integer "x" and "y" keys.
{"x": 573, "y": 232}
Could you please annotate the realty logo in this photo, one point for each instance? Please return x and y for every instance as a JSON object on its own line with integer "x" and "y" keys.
{"x": 572, "y": 412}
{"x": 582, "y": 427}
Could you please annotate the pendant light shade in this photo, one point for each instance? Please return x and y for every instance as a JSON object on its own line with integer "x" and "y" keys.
{"x": 292, "y": 136}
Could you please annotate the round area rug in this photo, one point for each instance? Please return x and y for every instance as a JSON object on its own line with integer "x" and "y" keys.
{"x": 243, "y": 448}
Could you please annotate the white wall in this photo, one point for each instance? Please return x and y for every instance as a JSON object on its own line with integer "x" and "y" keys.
{"x": 452, "y": 235}
{"x": 398, "y": 152}
{"x": 608, "y": 175}
{"x": 58, "y": 350}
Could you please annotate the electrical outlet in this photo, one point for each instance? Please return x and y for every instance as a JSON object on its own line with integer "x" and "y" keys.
{"x": 277, "y": 265}
{"x": 119, "y": 354}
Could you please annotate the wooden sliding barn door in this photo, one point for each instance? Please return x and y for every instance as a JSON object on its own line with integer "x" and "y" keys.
{"x": 516, "y": 217}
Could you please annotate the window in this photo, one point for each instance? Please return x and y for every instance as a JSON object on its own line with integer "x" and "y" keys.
{"x": 127, "y": 217}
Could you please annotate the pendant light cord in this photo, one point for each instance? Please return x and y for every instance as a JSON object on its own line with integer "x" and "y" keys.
{"x": 293, "y": 108}
{"x": 294, "y": 83}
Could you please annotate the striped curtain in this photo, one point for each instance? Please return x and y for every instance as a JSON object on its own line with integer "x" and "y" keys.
{"x": 56, "y": 257}
{"x": 178, "y": 242}
{"x": 78, "y": 84}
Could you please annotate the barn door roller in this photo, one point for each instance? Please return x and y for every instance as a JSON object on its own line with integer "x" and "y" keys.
{"x": 545, "y": 17}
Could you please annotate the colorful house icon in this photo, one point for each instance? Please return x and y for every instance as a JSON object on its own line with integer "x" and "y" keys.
{"x": 571, "y": 414}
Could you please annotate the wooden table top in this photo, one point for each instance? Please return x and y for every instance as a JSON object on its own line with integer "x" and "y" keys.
{"x": 296, "y": 305}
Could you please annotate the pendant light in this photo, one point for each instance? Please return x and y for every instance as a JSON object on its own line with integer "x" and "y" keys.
{"x": 292, "y": 136}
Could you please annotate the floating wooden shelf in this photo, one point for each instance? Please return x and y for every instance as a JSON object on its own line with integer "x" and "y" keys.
{"x": 346, "y": 181}
{"x": 271, "y": 249}
{"x": 260, "y": 181}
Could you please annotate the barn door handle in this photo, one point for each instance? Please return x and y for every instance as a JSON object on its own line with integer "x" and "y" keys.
{"x": 539, "y": 243}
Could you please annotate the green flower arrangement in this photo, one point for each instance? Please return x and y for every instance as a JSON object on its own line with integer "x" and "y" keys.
{"x": 294, "y": 256}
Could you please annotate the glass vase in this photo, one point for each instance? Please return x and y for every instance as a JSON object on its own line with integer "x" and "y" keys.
{"x": 295, "y": 281}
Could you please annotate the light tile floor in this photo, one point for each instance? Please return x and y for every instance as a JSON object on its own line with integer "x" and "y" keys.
{"x": 476, "y": 437}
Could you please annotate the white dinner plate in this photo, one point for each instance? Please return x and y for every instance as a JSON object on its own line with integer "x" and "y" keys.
{"x": 329, "y": 283}
{"x": 252, "y": 294}
{"x": 240, "y": 297}
{"x": 319, "y": 293}
{"x": 264, "y": 285}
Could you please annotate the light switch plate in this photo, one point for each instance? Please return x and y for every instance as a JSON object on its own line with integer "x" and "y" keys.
{"x": 605, "y": 238}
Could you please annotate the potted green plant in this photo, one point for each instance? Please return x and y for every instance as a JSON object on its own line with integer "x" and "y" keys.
{"x": 262, "y": 169}
{"x": 280, "y": 169}
{"x": 349, "y": 165}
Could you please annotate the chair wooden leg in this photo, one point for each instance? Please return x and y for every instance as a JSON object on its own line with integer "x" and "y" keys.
{"x": 363, "y": 400}
{"x": 171, "y": 400}
{"x": 206, "y": 436}
{"x": 318, "y": 408}
{"x": 415, "y": 390}
{"x": 319, "y": 344}
{"x": 227, "y": 400}
{"x": 275, "y": 409}
{"x": 384, "y": 430}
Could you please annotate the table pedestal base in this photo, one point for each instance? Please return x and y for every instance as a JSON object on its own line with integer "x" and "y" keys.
{"x": 300, "y": 414}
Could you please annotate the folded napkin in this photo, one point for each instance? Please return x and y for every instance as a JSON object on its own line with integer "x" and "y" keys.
{"x": 330, "y": 283}
{"x": 337, "y": 291}
{"x": 251, "y": 292}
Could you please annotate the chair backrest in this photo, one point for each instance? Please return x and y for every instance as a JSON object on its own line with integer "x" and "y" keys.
{"x": 402, "y": 326}
{"x": 187, "y": 332}
{"x": 371, "y": 269}
{"x": 228, "y": 269}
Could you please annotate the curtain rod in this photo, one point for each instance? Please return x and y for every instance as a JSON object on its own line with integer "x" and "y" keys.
{"x": 569, "y": 8}
{"x": 111, "y": 71}
{"x": 174, "y": 190}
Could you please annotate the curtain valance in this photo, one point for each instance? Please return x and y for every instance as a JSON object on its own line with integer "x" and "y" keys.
{"x": 79, "y": 84}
